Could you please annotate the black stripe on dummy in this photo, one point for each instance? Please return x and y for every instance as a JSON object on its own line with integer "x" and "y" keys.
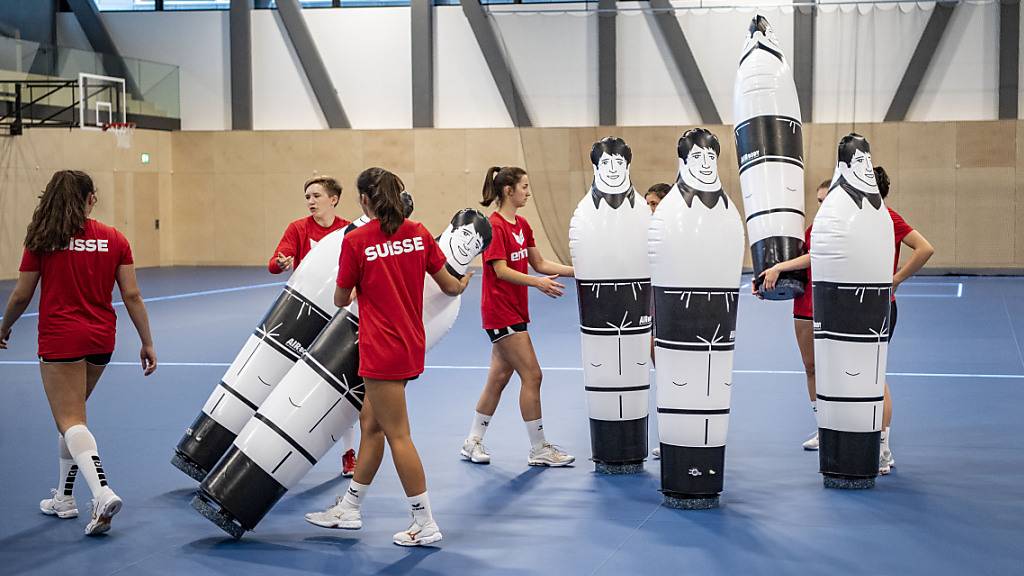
{"x": 848, "y": 454}
{"x": 769, "y": 139}
{"x": 242, "y": 489}
{"x": 694, "y": 318}
{"x": 618, "y": 441}
{"x": 203, "y": 444}
{"x": 690, "y": 472}
{"x": 293, "y": 322}
{"x": 615, "y": 307}
{"x": 336, "y": 351}
{"x": 851, "y": 312}
{"x": 770, "y": 251}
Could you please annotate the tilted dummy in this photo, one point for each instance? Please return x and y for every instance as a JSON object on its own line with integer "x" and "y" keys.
{"x": 318, "y": 399}
{"x": 769, "y": 148}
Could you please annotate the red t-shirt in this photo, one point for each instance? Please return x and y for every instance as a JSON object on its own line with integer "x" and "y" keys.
{"x": 76, "y": 313}
{"x": 388, "y": 273}
{"x": 804, "y": 305}
{"x": 504, "y": 303}
{"x": 299, "y": 238}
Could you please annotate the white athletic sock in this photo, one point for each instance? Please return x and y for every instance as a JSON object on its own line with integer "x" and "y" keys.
{"x": 885, "y": 438}
{"x": 348, "y": 439}
{"x": 480, "y": 424}
{"x": 355, "y": 494}
{"x": 68, "y": 469}
{"x": 82, "y": 447}
{"x": 535, "y": 429}
{"x": 420, "y": 506}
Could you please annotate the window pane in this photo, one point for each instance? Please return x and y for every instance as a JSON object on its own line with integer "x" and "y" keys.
{"x": 113, "y": 5}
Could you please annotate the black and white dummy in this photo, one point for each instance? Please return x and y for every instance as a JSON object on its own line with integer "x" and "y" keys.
{"x": 852, "y": 253}
{"x": 300, "y": 313}
{"x": 696, "y": 253}
{"x": 319, "y": 398}
{"x": 769, "y": 148}
{"x": 608, "y": 243}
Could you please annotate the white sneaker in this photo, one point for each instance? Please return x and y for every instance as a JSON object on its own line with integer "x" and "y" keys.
{"x": 811, "y": 443}
{"x": 60, "y": 506}
{"x": 103, "y": 509}
{"x": 885, "y": 461}
{"x": 656, "y": 453}
{"x": 418, "y": 535}
{"x": 550, "y": 455}
{"x": 474, "y": 451}
{"x": 337, "y": 516}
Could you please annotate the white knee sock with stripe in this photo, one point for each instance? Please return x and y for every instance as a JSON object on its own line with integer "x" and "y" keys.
{"x": 82, "y": 447}
{"x": 68, "y": 469}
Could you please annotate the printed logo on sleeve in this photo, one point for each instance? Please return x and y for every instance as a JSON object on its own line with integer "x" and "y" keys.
{"x": 394, "y": 248}
{"x": 90, "y": 245}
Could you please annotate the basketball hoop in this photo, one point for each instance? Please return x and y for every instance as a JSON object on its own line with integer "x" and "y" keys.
{"x": 123, "y": 131}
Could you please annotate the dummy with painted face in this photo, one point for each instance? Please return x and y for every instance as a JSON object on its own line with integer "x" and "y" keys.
{"x": 319, "y": 398}
{"x": 465, "y": 237}
{"x": 301, "y": 312}
{"x": 852, "y": 251}
{"x": 696, "y": 255}
{"x": 769, "y": 149}
{"x": 608, "y": 243}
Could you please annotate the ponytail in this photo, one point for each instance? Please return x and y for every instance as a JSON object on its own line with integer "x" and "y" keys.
{"x": 384, "y": 190}
{"x": 496, "y": 180}
{"x": 882, "y": 181}
{"x": 60, "y": 213}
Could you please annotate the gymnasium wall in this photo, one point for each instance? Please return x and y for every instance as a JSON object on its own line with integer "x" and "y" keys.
{"x": 860, "y": 55}
{"x": 132, "y": 196}
{"x": 224, "y": 198}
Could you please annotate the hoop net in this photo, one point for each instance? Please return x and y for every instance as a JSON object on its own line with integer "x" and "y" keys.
{"x": 123, "y": 131}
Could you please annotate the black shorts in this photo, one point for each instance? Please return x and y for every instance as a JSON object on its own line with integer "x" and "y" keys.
{"x": 496, "y": 334}
{"x": 892, "y": 318}
{"x": 94, "y": 359}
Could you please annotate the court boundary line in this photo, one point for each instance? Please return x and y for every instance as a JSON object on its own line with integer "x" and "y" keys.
{"x": 120, "y": 303}
{"x": 557, "y": 369}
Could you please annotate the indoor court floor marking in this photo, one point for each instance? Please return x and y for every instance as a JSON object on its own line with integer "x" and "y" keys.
{"x": 185, "y": 295}
{"x": 551, "y": 368}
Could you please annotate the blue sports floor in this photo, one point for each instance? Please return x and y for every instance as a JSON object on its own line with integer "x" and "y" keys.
{"x": 954, "y": 504}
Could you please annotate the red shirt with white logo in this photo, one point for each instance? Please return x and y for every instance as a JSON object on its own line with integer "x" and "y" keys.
{"x": 76, "y": 314}
{"x": 299, "y": 238}
{"x": 804, "y": 305}
{"x": 504, "y": 303}
{"x": 388, "y": 273}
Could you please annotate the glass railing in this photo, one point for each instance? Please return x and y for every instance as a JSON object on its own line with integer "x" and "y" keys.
{"x": 157, "y": 83}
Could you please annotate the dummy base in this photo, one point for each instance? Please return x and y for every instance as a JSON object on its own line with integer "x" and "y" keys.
{"x": 188, "y": 467}
{"x": 615, "y": 469}
{"x": 841, "y": 483}
{"x": 681, "y": 503}
{"x": 223, "y": 520}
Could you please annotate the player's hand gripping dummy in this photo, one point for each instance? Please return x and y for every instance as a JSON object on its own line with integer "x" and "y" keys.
{"x": 696, "y": 252}
{"x": 295, "y": 319}
{"x": 608, "y": 243}
{"x": 852, "y": 250}
{"x": 318, "y": 399}
{"x": 769, "y": 147}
